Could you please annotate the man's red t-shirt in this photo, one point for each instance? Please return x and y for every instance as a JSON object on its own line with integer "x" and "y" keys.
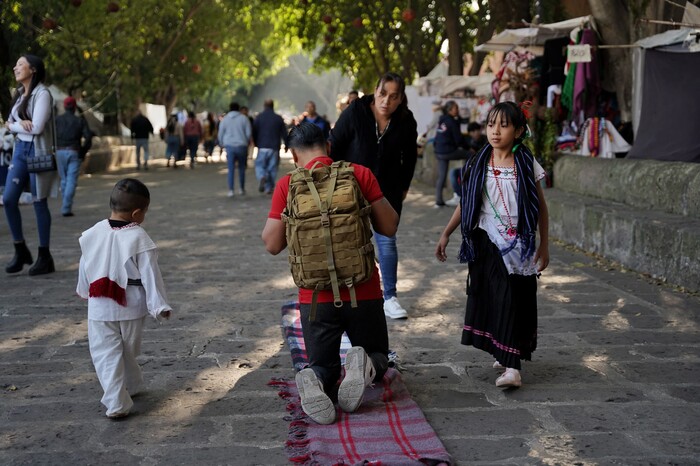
{"x": 371, "y": 289}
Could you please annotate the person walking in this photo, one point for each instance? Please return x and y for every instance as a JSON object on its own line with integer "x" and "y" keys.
{"x": 449, "y": 145}
{"x": 311, "y": 116}
{"x": 73, "y": 140}
{"x": 379, "y": 131}
{"x": 269, "y": 131}
{"x": 193, "y": 135}
{"x": 235, "y": 133}
{"x": 501, "y": 206}
{"x": 322, "y": 327}
{"x": 211, "y": 131}
{"x": 32, "y": 121}
{"x": 174, "y": 140}
{"x": 141, "y": 130}
{"x": 119, "y": 277}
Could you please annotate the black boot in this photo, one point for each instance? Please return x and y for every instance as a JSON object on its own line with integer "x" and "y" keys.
{"x": 43, "y": 264}
{"x": 22, "y": 256}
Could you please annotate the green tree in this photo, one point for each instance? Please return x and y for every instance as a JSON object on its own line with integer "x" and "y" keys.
{"x": 119, "y": 54}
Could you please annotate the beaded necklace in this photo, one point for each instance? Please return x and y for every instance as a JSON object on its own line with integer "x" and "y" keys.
{"x": 510, "y": 229}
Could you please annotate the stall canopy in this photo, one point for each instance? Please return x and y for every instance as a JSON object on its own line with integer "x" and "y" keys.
{"x": 665, "y": 104}
{"x": 532, "y": 37}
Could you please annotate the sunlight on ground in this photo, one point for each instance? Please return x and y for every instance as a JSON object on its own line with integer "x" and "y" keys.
{"x": 616, "y": 321}
{"x": 65, "y": 329}
{"x": 561, "y": 449}
{"x": 563, "y": 279}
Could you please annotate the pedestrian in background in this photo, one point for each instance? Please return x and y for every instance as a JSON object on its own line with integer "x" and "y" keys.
{"x": 32, "y": 121}
{"x": 210, "y": 129}
{"x": 450, "y": 144}
{"x": 73, "y": 140}
{"x": 141, "y": 130}
{"x": 119, "y": 276}
{"x": 174, "y": 139}
{"x": 193, "y": 135}
{"x": 235, "y": 133}
{"x": 501, "y": 206}
{"x": 379, "y": 132}
{"x": 311, "y": 116}
{"x": 269, "y": 131}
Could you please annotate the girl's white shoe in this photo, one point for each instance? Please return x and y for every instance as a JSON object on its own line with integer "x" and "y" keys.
{"x": 509, "y": 379}
{"x": 497, "y": 365}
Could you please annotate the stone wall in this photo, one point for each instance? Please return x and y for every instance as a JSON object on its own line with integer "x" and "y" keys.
{"x": 113, "y": 152}
{"x": 644, "y": 214}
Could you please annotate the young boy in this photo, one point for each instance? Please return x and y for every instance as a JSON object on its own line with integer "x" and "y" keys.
{"x": 365, "y": 324}
{"x": 120, "y": 278}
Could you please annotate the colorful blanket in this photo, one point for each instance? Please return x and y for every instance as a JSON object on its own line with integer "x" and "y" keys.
{"x": 388, "y": 429}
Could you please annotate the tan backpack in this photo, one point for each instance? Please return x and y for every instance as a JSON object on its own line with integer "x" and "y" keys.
{"x": 328, "y": 230}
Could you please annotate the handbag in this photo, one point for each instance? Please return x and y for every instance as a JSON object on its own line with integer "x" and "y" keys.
{"x": 44, "y": 159}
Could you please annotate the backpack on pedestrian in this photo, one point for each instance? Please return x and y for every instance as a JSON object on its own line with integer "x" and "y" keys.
{"x": 328, "y": 230}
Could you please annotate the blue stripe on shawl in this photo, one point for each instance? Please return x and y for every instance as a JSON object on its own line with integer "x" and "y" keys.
{"x": 528, "y": 202}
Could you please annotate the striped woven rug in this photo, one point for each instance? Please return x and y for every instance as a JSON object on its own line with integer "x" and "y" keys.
{"x": 388, "y": 429}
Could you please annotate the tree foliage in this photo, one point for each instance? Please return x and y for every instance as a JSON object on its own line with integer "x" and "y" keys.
{"x": 123, "y": 53}
{"x": 366, "y": 38}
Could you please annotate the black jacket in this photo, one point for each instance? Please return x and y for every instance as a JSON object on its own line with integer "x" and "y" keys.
{"x": 141, "y": 127}
{"x": 448, "y": 137}
{"x": 69, "y": 131}
{"x": 269, "y": 130}
{"x": 392, "y": 159}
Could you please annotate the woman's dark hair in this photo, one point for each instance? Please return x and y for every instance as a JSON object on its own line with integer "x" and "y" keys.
{"x": 128, "y": 195}
{"x": 511, "y": 113}
{"x": 190, "y": 114}
{"x": 447, "y": 106}
{"x": 393, "y": 77}
{"x": 38, "y": 77}
{"x": 172, "y": 124}
{"x": 210, "y": 119}
{"x": 306, "y": 136}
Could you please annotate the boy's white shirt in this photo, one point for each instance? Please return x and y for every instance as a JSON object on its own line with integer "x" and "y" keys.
{"x": 120, "y": 254}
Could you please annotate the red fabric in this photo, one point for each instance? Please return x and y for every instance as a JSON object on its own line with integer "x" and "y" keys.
{"x": 192, "y": 128}
{"x": 388, "y": 429}
{"x": 371, "y": 289}
{"x": 106, "y": 288}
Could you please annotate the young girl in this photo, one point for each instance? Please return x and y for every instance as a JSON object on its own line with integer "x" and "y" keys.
{"x": 501, "y": 205}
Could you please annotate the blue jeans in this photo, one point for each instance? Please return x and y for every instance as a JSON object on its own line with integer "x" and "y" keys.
{"x": 236, "y": 155}
{"x": 17, "y": 179}
{"x": 192, "y": 143}
{"x": 172, "y": 148}
{"x": 456, "y": 180}
{"x": 443, "y": 164}
{"x": 69, "y": 169}
{"x": 141, "y": 143}
{"x": 388, "y": 257}
{"x": 266, "y": 167}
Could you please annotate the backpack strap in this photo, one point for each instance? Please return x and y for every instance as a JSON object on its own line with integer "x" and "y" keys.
{"x": 326, "y": 228}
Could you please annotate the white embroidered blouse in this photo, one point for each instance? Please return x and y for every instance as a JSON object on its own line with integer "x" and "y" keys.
{"x": 499, "y": 215}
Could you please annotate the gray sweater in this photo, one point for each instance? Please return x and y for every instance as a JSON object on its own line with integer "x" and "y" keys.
{"x": 234, "y": 130}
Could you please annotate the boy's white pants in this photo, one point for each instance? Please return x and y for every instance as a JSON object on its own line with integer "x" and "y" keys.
{"x": 114, "y": 346}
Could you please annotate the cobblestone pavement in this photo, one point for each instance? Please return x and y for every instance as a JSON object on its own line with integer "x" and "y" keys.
{"x": 615, "y": 379}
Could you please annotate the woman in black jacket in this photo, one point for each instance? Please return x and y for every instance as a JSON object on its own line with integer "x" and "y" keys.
{"x": 449, "y": 145}
{"x": 379, "y": 132}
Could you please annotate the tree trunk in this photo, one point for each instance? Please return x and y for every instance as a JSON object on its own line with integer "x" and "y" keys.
{"x": 614, "y": 26}
{"x": 450, "y": 9}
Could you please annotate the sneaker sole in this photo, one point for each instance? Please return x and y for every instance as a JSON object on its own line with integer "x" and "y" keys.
{"x": 314, "y": 402}
{"x": 352, "y": 388}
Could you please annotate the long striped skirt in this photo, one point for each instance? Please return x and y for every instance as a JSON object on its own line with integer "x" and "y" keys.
{"x": 501, "y": 315}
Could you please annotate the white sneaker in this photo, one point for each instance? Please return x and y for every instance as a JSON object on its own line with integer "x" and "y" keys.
{"x": 230, "y": 194}
{"x": 314, "y": 401}
{"x": 359, "y": 373}
{"x": 454, "y": 202}
{"x": 509, "y": 379}
{"x": 393, "y": 309}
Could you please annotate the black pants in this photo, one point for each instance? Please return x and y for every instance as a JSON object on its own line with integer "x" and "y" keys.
{"x": 443, "y": 164}
{"x": 365, "y": 326}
